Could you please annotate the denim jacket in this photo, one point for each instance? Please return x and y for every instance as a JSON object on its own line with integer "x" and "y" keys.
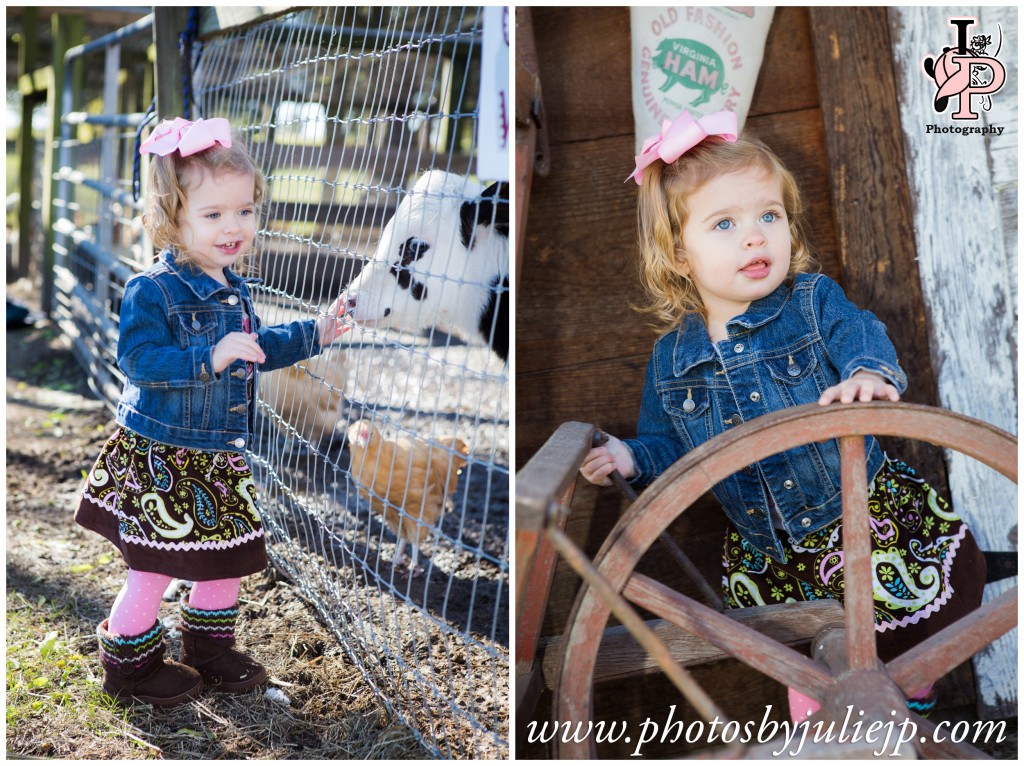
{"x": 785, "y": 350}
{"x": 171, "y": 317}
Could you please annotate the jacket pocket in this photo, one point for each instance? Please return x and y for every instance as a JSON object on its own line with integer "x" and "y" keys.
{"x": 196, "y": 328}
{"x": 690, "y": 409}
{"x": 797, "y": 376}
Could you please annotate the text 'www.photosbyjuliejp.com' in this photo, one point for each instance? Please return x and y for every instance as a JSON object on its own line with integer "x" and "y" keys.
{"x": 891, "y": 738}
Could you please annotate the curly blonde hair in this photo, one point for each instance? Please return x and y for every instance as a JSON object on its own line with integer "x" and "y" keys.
{"x": 662, "y": 215}
{"x": 171, "y": 177}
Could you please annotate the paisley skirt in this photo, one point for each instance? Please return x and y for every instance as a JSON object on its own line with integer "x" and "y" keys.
{"x": 181, "y": 512}
{"x": 927, "y": 570}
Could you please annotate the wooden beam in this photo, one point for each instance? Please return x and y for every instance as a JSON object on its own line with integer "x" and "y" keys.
{"x": 877, "y": 249}
{"x": 220, "y": 19}
{"x": 621, "y": 656}
{"x": 68, "y": 30}
{"x": 168, "y": 23}
{"x": 28, "y": 46}
{"x": 110, "y": 16}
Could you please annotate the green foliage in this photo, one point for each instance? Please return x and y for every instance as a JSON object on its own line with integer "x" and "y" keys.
{"x": 48, "y": 679}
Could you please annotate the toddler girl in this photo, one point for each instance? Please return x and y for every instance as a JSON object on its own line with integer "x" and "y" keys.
{"x": 171, "y": 488}
{"x": 750, "y": 331}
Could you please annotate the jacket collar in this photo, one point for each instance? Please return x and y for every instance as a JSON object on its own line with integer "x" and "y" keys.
{"x": 693, "y": 344}
{"x": 199, "y": 282}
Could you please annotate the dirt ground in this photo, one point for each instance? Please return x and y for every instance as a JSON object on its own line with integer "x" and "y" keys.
{"x": 61, "y": 581}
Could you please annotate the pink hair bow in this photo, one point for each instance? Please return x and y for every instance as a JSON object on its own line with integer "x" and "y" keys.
{"x": 187, "y": 137}
{"x": 680, "y": 135}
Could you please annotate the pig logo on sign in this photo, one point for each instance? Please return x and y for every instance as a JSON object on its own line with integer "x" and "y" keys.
{"x": 693, "y": 65}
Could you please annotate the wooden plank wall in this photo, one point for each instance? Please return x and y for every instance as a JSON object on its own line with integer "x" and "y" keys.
{"x": 826, "y": 103}
{"x": 963, "y": 187}
{"x": 581, "y": 350}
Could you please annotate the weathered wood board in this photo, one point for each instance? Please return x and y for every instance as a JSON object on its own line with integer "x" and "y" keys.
{"x": 966, "y": 247}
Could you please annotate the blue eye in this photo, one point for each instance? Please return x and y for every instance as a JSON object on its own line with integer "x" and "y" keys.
{"x": 769, "y": 217}
{"x": 724, "y": 225}
{"x": 213, "y": 216}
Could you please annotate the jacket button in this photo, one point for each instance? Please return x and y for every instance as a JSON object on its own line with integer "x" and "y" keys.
{"x": 738, "y": 348}
{"x": 793, "y": 370}
{"x": 788, "y": 484}
{"x": 755, "y": 396}
{"x": 756, "y": 513}
{"x": 239, "y": 373}
{"x": 237, "y": 408}
{"x": 204, "y": 377}
{"x": 805, "y": 522}
{"x": 233, "y": 300}
{"x": 239, "y": 442}
{"x": 689, "y": 406}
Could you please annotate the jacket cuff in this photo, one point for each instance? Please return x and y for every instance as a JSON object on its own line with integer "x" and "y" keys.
{"x": 890, "y": 372}
{"x": 643, "y": 463}
{"x": 312, "y": 338}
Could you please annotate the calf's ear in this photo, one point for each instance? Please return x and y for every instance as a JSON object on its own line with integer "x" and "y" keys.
{"x": 490, "y": 210}
{"x": 493, "y": 208}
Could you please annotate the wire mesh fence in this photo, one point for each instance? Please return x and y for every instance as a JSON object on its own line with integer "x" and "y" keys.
{"x": 398, "y": 436}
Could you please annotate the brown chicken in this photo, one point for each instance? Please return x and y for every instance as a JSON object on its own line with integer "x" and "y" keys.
{"x": 407, "y": 480}
{"x": 307, "y": 397}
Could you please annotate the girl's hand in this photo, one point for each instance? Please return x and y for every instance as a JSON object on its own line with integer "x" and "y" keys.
{"x": 236, "y": 345}
{"x": 601, "y": 461}
{"x": 864, "y": 386}
{"x": 331, "y": 325}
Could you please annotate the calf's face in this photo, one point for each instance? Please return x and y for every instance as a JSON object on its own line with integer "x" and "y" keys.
{"x": 421, "y": 273}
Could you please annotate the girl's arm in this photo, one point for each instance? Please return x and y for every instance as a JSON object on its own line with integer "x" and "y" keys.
{"x": 643, "y": 459}
{"x": 601, "y": 461}
{"x": 285, "y": 344}
{"x": 147, "y": 350}
{"x": 857, "y": 346}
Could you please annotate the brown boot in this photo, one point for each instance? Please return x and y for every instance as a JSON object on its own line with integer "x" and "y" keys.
{"x": 134, "y": 668}
{"x": 206, "y": 640}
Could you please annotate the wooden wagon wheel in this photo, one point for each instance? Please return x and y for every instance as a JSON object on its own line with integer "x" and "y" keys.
{"x": 610, "y": 581}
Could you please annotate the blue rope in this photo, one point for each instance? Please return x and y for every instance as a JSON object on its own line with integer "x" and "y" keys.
{"x": 136, "y": 157}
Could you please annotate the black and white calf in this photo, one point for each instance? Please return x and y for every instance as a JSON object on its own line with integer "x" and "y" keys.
{"x": 443, "y": 261}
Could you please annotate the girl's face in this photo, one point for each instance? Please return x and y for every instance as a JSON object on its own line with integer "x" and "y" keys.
{"x": 736, "y": 241}
{"x": 219, "y": 221}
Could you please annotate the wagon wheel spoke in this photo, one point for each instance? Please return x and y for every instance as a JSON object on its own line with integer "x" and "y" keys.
{"x": 858, "y": 587}
{"x": 679, "y": 677}
{"x": 760, "y": 652}
{"x": 956, "y": 643}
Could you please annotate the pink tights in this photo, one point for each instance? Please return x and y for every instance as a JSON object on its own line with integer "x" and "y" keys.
{"x": 136, "y": 607}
